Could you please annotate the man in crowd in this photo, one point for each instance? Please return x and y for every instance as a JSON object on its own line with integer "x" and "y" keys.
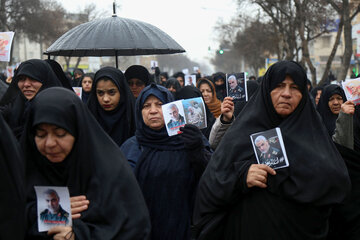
{"x": 235, "y": 91}
{"x": 54, "y": 214}
{"x": 176, "y": 120}
{"x": 269, "y": 155}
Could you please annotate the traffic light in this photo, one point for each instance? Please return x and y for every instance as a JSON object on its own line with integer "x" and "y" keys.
{"x": 221, "y": 51}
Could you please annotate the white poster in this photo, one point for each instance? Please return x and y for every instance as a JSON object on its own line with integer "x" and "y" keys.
{"x": 6, "y": 39}
{"x": 78, "y": 91}
{"x": 53, "y": 207}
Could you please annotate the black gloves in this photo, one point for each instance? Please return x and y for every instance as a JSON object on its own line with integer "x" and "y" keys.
{"x": 192, "y": 137}
{"x": 194, "y": 148}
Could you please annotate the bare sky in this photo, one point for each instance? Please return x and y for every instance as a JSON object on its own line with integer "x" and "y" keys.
{"x": 189, "y": 22}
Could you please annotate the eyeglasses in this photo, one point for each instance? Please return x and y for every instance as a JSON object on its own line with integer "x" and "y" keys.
{"x": 136, "y": 83}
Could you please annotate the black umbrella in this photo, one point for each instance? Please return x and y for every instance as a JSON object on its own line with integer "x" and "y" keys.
{"x": 114, "y": 36}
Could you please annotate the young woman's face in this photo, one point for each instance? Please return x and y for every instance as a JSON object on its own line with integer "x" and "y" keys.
{"x": 152, "y": 113}
{"x": 107, "y": 94}
{"x": 86, "y": 84}
{"x": 335, "y": 102}
{"x": 206, "y": 92}
{"x": 181, "y": 81}
{"x": 53, "y": 142}
{"x": 28, "y": 86}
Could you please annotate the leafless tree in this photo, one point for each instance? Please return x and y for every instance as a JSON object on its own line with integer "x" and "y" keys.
{"x": 346, "y": 11}
{"x": 14, "y": 14}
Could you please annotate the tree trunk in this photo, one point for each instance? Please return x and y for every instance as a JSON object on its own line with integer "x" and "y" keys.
{"x": 41, "y": 45}
{"x": 300, "y": 23}
{"x": 67, "y": 61}
{"x": 348, "y": 41}
{"x": 3, "y": 25}
{"x": 333, "y": 52}
{"x": 78, "y": 62}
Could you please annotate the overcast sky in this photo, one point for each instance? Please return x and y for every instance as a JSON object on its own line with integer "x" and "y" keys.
{"x": 189, "y": 22}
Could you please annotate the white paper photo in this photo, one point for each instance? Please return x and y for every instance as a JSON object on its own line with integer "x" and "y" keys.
{"x": 236, "y": 86}
{"x": 53, "y": 207}
{"x": 190, "y": 80}
{"x": 174, "y": 117}
{"x": 269, "y": 148}
{"x": 78, "y": 91}
{"x": 195, "y": 113}
{"x": 6, "y": 39}
{"x": 352, "y": 90}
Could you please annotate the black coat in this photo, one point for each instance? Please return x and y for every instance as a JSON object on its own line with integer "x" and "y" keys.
{"x": 95, "y": 168}
{"x": 12, "y": 186}
{"x": 297, "y": 201}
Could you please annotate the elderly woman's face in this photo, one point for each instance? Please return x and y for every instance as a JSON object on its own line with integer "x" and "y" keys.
{"x": 53, "y": 142}
{"x": 286, "y": 97}
{"x": 335, "y": 102}
{"x": 152, "y": 113}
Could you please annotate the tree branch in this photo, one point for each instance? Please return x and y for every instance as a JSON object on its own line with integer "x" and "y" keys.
{"x": 336, "y": 7}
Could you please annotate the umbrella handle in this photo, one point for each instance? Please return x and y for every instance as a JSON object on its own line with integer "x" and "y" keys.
{"x": 114, "y": 9}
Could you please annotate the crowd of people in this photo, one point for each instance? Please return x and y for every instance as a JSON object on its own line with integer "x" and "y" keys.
{"x": 128, "y": 179}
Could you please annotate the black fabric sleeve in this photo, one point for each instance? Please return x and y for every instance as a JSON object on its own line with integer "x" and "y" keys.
{"x": 199, "y": 158}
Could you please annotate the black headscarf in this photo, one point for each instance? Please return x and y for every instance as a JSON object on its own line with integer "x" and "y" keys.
{"x": 164, "y": 172}
{"x": 14, "y": 104}
{"x": 193, "y": 92}
{"x": 220, "y": 89}
{"x": 172, "y": 82}
{"x": 139, "y": 72}
{"x": 12, "y": 186}
{"x": 314, "y": 91}
{"x": 95, "y": 168}
{"x": 59, "y": 72}
{"x": 297, "y": 196}
{"x": 165, "y": 75}
{"x": 76, "y": 81}
{"x": 323, "y": 108}
{"x": 118, "y": 123}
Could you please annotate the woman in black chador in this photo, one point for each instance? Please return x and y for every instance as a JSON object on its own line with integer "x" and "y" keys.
{"x": 12, "y": 186}
{"x": 240, "y": 199}
{"x": 112, "y": 104}
{"x": 329, "y": 106}
{"x": 31, "y": 77}
{"x": 65, "y": 146}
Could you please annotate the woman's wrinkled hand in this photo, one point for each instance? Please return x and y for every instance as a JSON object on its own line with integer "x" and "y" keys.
{"x": 62, "y": 233}
{"x": 257, "y": 175}
{"x": 78, "y": 205}
{"x": 348, "y": 107}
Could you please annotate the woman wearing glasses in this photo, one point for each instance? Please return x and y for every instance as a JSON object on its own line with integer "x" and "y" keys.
{"x": 137, "y": 77}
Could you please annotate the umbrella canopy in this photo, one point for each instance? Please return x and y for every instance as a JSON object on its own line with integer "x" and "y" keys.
{"x": 114, "y": 36}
